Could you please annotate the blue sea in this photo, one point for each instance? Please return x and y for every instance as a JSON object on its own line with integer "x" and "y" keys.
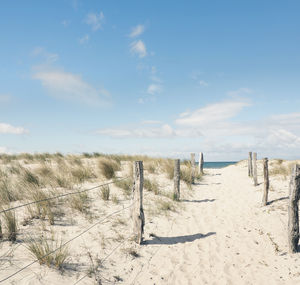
{"x": 218, "y": 164}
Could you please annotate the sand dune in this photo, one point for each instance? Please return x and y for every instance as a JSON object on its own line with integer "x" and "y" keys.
{"x": 219, "y": 234}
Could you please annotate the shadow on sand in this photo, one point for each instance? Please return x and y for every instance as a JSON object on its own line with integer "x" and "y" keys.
{"x": 175, "y": 240}
{"x": 198, "y": 201}
{"x": 279, "y": 199}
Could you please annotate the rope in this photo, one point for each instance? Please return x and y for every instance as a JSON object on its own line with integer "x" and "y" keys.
{"x": 59, "y": 196}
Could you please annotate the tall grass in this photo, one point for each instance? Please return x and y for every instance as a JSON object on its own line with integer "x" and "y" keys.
{"x": 125, "y": 185}
{"x": 151, "y": 185}
{"x": 108, "y": 167}
{"x": 41, "y": 249}
{"x": 11, "y": 225}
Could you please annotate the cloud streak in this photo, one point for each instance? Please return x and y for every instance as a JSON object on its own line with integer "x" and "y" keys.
{"x": 138, "y": 48}
{"x": 9, "y": 129}
{"x": 137, "y": 31}
{"x": 71, "y": 87}
{"x": 95, "y": 20}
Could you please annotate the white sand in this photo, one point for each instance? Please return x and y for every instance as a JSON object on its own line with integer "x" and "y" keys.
{"x": 221, "y": 235}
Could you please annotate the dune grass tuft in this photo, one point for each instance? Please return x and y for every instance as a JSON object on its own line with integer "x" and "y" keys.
{"x": 151, "y": 185}
{"x": 11, "y": 225}
{"x": 108, "y": 167}
{"x": 42, "y": 248}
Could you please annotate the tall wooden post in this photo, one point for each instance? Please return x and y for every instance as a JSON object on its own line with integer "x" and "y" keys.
{"x": 137, "y": 196}
{"x": 266, "y": 183}
{"x": 201, "y": 162}
{"x": 293, "y": 222}
{"x": 193, "y": 163}
{"x": 250, "y": 174}
{"x": 255, "y": 168}
{"x": 177, "y": 179}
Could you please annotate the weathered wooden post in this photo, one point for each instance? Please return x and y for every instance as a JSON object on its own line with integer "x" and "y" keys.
{"x": 177, "y": 179}
{"x": 250, "y": 173}
{"x": 193, "y": 163}
{"x": 201, "y": 162}
{"x": 266, "y": 182}
{"x": 137, "y": 196}
{"x": 255, "y": 168}
{"x": 293, "y": 222}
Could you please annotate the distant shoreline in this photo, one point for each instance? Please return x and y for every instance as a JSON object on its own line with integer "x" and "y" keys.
{"x": 218, "y": 164}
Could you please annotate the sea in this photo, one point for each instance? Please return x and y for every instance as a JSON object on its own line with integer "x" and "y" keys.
{"x": 218, "y": 164}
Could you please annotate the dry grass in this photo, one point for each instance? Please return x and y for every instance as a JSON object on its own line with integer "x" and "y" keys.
{"x": 42, "y": 248}
{"x": 151, "y": 185}
{"x": 280, "y": 169}
{"x": 11, "y": 225}
{"x": 125, "y": 185}
{"x": 79, "y": 202}
{"x": 168, "y": 167}
{"x": 105, "y": 192}
{"x": 108, "y": 167}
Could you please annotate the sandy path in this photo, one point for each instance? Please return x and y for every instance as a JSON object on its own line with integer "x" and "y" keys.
{"x": 223, "y": 236}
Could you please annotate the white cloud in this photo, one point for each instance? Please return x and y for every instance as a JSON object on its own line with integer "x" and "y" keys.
{"x": 9, "y": 129}
{"x": 139, "y": 48}
{"x": 95, "y": 20}
{"x": 68, "y": 86}
{"x": 163, "y": 131}
{"x": 203, "y": 83}
{"x": 84, "y": 39}
{"x": 42, "y": 52}
{"x": 154, "y": 89}
{"x": 137, "y": 31}
{"x": 211, "y": 114}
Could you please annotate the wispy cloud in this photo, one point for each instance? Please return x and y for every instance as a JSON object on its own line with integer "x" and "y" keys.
{"x": 137, "y": 31}
{"x": 203, "y": 83}
{"x": 84, "y": 39}
{"x": 9, "y": 129}
{"x": 154, "y": 89}
{"x": 218, "y": 112}
{"x": 69, "y": 86}
{"x": 95, "y": 20}
{"x": 43, "y": 53}
{"x": 139, "y": 48}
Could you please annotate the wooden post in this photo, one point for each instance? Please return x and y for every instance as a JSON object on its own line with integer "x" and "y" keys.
{"x": 201, "y": 162}
{"x": 266, "y": 182}
{"x": 137, "y": 196}
{"x": 254, "y": 168}
{"x": 250, "y": 174}
{"x": 293, "y": 222}
{"x": 177, "y": 179}
{"x": 193, "y": 167}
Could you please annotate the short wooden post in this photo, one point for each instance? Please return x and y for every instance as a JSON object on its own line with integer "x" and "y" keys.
{"x": 266, "y": 183}
{"x": 293, "y": 222}
{"x": 177, "y": 179}
{"x": 193, "y": 163}
{"x": 255, "y": 168}
{"x": 137, "y": 196}
{"x": 250, "y": 174}
{"x": 201, "y": 162}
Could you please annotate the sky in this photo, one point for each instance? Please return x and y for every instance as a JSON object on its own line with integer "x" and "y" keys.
{"x": 160, "y": 78}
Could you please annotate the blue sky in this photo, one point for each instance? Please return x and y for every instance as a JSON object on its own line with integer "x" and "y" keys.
{"x": 161, "y": 78}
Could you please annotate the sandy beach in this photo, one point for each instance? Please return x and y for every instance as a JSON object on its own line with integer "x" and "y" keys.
{"x": 217, "y": 234}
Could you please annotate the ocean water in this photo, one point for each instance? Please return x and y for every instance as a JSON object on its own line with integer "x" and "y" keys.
{"x": 218, "y": 164}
